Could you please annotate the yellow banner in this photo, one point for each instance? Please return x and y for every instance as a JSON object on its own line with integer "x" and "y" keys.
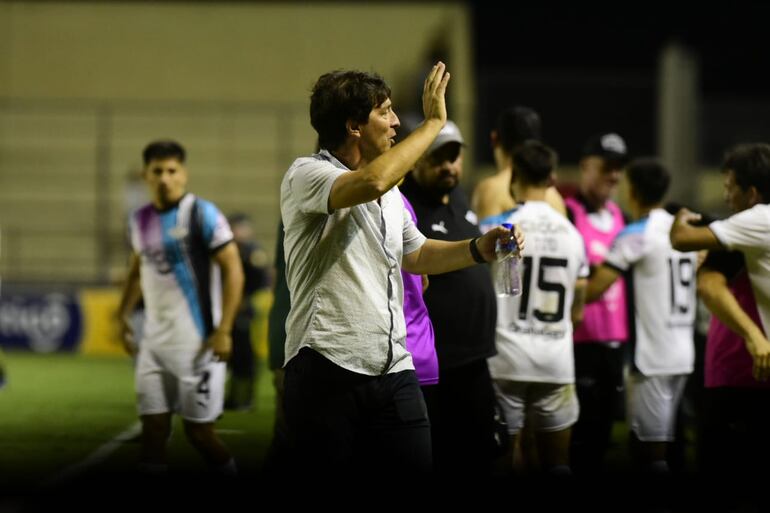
{"x": 101, "y": 332}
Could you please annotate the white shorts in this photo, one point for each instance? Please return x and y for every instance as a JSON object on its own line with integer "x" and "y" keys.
{"x": 547, "y": 406}
{"x": 652, "y": 405}
{"x": 180, "y": 381}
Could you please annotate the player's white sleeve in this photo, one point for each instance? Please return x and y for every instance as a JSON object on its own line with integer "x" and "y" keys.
{"x": 745, "y": 230}
{"x": 628, "y": 247}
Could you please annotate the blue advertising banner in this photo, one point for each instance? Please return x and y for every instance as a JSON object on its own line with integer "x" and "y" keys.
{"x": 43, "y": 323}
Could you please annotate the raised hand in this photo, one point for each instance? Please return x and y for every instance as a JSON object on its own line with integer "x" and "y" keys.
{"x": 434, "y": 92}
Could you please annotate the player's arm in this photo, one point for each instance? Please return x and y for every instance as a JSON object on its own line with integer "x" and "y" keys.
{"x": 601, "y": 279}
{"x": 229, "y": 262}
{"x": 438, "y": 256}
{"x": 713, "y": 290}
{"x": 554, "y": 198}
{"x": 483, "y": 199}
{"x": 130, "y": 297}
{"x": 579, "y": 301}
{"x": 687, "y": 237}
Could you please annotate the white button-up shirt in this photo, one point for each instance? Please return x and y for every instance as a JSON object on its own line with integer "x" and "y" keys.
{"x": 343, "y": 269}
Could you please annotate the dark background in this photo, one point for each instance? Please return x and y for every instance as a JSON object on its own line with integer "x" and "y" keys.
{"x": 594, "y": 69}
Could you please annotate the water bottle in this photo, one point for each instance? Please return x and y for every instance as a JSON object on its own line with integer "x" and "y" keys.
{"x": 508, "y": 280}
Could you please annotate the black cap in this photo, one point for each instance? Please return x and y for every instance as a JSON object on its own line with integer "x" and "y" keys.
{"x": 609, "y": 146}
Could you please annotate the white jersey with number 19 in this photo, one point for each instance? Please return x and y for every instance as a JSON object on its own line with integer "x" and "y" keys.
{"x": 664, "y": 294}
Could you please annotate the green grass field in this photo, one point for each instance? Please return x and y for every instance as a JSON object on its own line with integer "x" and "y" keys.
{"x": 57, "y": 409}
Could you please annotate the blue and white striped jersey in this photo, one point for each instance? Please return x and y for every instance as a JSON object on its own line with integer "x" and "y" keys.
{"x": 180, "y": 282}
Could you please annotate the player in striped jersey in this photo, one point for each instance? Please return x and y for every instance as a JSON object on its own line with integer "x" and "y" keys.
{"x": 180, "y": 244}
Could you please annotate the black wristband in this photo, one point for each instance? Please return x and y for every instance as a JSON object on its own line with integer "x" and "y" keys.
{"x": 475, "y": 252}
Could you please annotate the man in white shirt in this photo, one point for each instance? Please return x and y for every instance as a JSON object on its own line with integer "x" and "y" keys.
{"x": 352, "y": 399}
{"x": 747, "y": 176}
{"x": 747, "y": 190}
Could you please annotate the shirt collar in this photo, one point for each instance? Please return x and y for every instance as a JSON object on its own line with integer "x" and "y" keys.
{"x": 326, "y": 155}
{"x": 170, "y": 207}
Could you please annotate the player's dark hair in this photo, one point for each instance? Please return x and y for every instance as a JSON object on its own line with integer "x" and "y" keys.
{"x": 340, "y": 96}
{"x": 649, "y": 181}
{"x": 750, "y": 164}
{"x": 163, "y": 149}
{"x": 533, "y": 163}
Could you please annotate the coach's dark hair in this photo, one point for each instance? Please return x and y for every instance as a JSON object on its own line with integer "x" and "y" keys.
{"x": 163, "y": 149}
{"x": 649, "y": 181}
{"x": 342, "y": 95}
{"x": 516, "y": 125}
{"x": 533, "y": 163}
{"x": 751, "y": 165}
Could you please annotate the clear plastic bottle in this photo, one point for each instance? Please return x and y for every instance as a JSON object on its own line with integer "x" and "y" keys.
{"x": 508, "y": 279}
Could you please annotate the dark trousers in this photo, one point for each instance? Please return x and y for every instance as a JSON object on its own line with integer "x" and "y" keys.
{"x": 599, "y": 386}
{"x": 242, "y": 363}
{"x": 341, "y": 422}
{"x": 278, "y": 458}
{"x": 242, "y": 360}
{"x": 734, "y": 436}
{"x": 461, "y": 408}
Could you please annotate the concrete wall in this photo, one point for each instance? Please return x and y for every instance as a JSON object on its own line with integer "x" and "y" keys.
{"x": 83, "y": 86}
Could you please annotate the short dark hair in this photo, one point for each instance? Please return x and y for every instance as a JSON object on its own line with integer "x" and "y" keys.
{"x": 163, "y": 149}
{"x": 751, "y": 165}
{"x": 517, "y": 124}
{"x": 238, "y": 218}
{"x": 649, "y": 180}
{"x": 533, "y": 162}
{"x": 342, "y": 95}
